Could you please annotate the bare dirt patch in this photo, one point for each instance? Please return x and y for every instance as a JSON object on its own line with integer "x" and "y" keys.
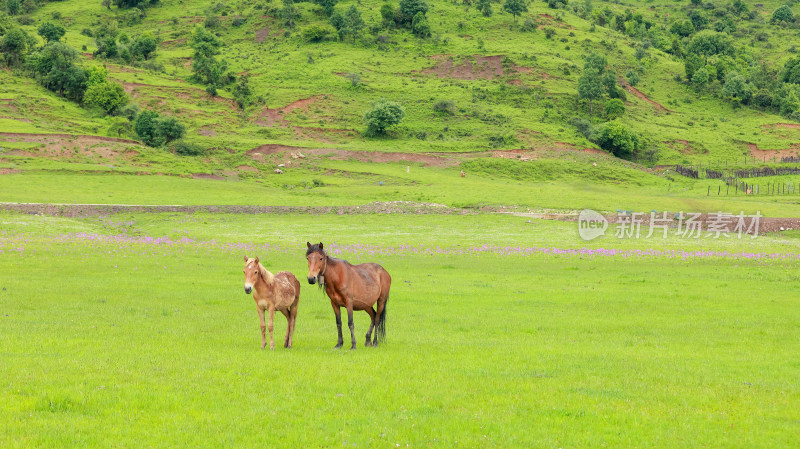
{"x": 207, "y": 131}
{"x": 783, "y": 125}
{"x": 525, "y": 154}
{"x": 262, "y": 34}
{"x": 9, "y": 171}
{"x": 247, "y": 168}
{"x": 206, "y": 176}
{"x": 269, "y": 116}
{"x": 766, "y": 155}
{"x": 471, "y": 68}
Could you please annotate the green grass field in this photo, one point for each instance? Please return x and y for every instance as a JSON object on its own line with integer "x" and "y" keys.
{"x": 113, "y": 340}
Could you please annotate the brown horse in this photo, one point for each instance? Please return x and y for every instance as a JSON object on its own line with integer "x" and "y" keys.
{"x": 279, "y": 292}
{"x": 355, "y": 287}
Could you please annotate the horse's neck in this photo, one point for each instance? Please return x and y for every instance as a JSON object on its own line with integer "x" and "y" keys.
{"x": 330, "y": 274}
{"x": 266, "y": 279}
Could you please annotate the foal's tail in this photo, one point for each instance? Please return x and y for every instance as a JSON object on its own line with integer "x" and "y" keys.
{"x": 380, "y": 330}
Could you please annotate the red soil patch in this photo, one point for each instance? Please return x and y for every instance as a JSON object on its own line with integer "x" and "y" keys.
{"x": 193, "y": 19}
{"x": 247, "y": 168}
{"x": 783, "y": 125}
{"x": 15, "y": 118}
{"x": 206, "y": 176}
{"x": 207, "y": 131}
{"x": 641, "y": 95}
{"x": 472, "y": 68}
{"x": 766, "y": 155}
{"x": 269, "y": 116}
{"x": 9, "y": 171}
{"x": 262, "y": 34}
{"x": 525, "y": 154}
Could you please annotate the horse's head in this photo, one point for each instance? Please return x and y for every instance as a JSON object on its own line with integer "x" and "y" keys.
{"x": 317, "y": 262}
{"x": 251, "y": 273}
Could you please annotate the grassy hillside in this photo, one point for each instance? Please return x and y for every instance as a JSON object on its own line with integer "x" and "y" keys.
{"x": 512, "y": 87}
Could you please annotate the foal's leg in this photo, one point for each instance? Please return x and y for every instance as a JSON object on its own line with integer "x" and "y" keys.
{"x": 350, "y": 325}
{"x": 271, "y": 318}
{"x": 263, "y": 327}
{"x": 288, "y": 314}
{"x": 338, "y": 313}
{"x": 291, "y": 323}
{"x": 371, "y": 313}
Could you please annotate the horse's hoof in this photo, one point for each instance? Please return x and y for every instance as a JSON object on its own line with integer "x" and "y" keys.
{"x": 352, "y": 348}
{"x": 339, "y": 346}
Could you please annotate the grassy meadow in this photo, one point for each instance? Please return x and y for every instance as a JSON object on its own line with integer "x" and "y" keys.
{"x": 501, "y": 333}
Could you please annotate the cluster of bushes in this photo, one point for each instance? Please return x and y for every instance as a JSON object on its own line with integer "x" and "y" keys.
{"x": 112, "y": 44}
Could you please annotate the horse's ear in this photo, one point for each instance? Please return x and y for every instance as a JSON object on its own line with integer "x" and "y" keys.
{"x": 246, "y": 258}
{"x": 256, "y": 261}
{"x": 308, "y": 244}
{"x": 320, "y": 245}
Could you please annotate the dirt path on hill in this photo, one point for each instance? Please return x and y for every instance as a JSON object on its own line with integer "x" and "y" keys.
{"x": 641, "y": 95}
{"x": 767, "y": 155}
{"x": 258, "y": 153}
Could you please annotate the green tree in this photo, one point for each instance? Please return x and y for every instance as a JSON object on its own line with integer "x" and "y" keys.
{"x": 788, "y": 102}
{"x": 515, "y": 8}
{"x": 700, "y": 77}
{"x": 243, "y": 93}
{"x": 353, "y": 23}
{"x": 133, "y": 3}
{"x": 107, "y": 4}
{"x": 14, "y": 46}
{"x": 632, "y": 77}
{"x": 683, "y": 28}
{"x": 409, "y": 9}
{"x": 737, "y": 89}
{"x": 692, "y": 63}
{"x": 29, "y": 6}
{"x": 169, "y": 128}
{"x": 783, "y": 14}
{"x": 791, "y": 71}
{"x": 144, "y": 45}
{"x": 146, "y": 128}
{"x": 13, "y": 7}
{"x": 327, "y": 6}
{"x": 485, "y": 7}
{"x": 51, "y": 32}
{"x": 118, "y": 126}
{"x": 55, "y": 69}
{"x": 388, "y": 14}
{"x": 617, "y": 139}
{"x": 289, "y": 13}
{"x": 107, "y": 96}
{"x": 420, "y": 26}
{"x": 708, "y": 43}
{"x": 207, "y": 69}
{"x": 591, "y": 82}
{"x": 384, "y": 113}
{"x": 614, "y": 108}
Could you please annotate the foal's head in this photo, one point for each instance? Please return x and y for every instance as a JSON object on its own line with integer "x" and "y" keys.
{"x": 251, "y": 273}
{"x": 317, "y": 263}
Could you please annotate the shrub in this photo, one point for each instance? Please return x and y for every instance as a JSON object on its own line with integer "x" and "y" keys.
{"x": 106, "y": 95}
{"x": 445, "y": 107}
{"x": 316, "y": 33}
{"x": 187, "y": 148}
{"x": 383, "y": 114}
{"x": 614, "y": 108}
{"x": 617, "y": 139}
{"x": 782, "y": 14}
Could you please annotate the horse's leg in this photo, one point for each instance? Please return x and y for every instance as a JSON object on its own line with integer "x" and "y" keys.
{"x": 380, "y": 306}
{"x": 269, "y": 326}
{"x": 350, "y": 325}
{"x": 290, "y": 332}
{"x": 338, "y": 313}
{"x": 263, "y": 327}
{"x": 288, "y": 314}
{"x": 294, "y": 318}
{"x": 371, "y": 313}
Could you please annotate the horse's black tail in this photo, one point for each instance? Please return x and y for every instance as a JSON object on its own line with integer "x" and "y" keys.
{"x": 380, "y": 330}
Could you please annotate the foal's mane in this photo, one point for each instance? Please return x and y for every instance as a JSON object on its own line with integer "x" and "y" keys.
{"x": 268, "y": 277}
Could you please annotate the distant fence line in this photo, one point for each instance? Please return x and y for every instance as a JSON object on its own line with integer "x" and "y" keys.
{"x": 734, "y": 185}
